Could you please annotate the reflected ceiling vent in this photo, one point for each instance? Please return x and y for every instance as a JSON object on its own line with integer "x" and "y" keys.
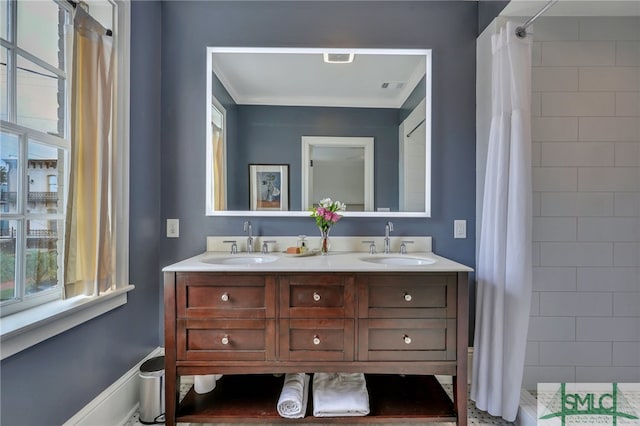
{"x": 338, "y": 58}
{"x": 392, "y": 85}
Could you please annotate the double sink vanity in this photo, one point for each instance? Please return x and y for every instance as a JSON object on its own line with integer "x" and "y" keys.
{"x": 398, "y": 318}
{"x": 248, "y": 310}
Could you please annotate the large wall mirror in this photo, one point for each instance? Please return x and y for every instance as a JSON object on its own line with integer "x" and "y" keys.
{"x": 265, "y": 105}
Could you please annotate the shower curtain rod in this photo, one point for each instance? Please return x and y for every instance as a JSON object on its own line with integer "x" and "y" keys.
{"x": 521, "y": 31}
{"x": 75, "y": 4}
{"x": 416, "y": 128}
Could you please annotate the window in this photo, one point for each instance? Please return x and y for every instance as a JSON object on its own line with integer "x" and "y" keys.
{"x": 35, "y": 148}
{"x": 52, "y": 183}
{"x": 34, "y": 151}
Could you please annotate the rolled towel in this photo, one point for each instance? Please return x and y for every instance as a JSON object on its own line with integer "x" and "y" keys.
{"x": 205, "y": 383}
{"x": 340, "y": 394}
{"x": 292, "y": 403}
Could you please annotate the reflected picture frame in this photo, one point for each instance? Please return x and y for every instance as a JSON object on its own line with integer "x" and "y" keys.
{"x": 269, "y": 187}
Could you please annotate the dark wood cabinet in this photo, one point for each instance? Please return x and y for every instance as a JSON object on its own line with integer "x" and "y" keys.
{"x": 399, "y": 328}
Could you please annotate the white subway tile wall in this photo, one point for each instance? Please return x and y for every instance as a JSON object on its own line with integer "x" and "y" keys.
{"x": 595, "y": 374}
{"x": 575, "y": 353}
{"x": 609, "y": 28}
{"x": 548, "y": 79}
{"x": 626, "y": 354}
{"x": 578, "y": 53}
{"x": 628, "y": 53}
{"x": 628, "y": 103}
{"x": 627, "y": 254}
{"x": 585, "y": 311}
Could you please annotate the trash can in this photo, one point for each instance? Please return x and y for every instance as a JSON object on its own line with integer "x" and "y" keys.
{"x": 151, "y": 409}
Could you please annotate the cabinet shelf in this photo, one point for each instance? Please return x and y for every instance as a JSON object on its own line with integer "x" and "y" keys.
{"x": 253, "y": 399}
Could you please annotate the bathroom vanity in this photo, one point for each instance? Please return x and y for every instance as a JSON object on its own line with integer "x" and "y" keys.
{"x": 251, "y": 318}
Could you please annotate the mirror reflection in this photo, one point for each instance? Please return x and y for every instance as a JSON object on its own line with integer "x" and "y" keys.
{"x": 340, "y": 166}
{"x": 263, "y": 104}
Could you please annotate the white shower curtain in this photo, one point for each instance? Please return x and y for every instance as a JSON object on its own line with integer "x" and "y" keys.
{"x": 504, "y": 257}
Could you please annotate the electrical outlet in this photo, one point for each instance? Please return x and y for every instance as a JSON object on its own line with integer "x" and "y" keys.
{"x": 459, "y": 229}
{"x": 173, "y": 228}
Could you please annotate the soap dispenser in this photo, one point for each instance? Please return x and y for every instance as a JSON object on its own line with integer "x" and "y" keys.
{"x": 302, "y": 243}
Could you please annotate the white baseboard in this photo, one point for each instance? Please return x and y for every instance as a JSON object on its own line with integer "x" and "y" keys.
{"x": 116, "y": 404}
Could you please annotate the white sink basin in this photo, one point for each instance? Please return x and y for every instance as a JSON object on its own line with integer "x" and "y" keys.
{"x": 400, "y": 260}
{"x": 239, "y": 259}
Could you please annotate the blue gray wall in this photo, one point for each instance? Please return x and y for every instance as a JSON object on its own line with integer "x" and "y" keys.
{"x": 487, "y": 10}
{"x": 48, "y": 383}
{"x": 447, "y": 27}
{"x": 272, "y": 134}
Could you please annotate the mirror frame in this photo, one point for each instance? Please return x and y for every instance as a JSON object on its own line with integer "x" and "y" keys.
{"x": 209, "y": 186}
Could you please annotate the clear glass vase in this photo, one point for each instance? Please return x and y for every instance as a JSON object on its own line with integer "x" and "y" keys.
{"x": 325, "y": 243}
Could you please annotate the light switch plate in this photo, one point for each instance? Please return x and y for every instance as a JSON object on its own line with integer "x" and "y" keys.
{"x": 173, "y": 228}
{"x": 459, "y": 229}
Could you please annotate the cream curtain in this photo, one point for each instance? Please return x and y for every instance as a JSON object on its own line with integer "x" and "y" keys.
{"x": 89, "y": 246}
{"x": 219, "y": 202}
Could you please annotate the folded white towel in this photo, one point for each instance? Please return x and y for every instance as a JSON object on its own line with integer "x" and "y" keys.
{"x": 292, "y": 403}
{"x": 340, "y": 394}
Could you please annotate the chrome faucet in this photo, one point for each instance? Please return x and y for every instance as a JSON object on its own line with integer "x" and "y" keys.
{"x": 387, "y": 241}
{"x": 403, "y": 246}
{"x": 372, "y": 246}
{"x": 248, "y": 230}
{"x": 265, "y": 245}
{"x": 234, "y": 246}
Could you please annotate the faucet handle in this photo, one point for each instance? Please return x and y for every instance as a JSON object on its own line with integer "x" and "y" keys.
{"x": 403, "y": 246}
{"x": 234, "y": 246}
{"x": 265, "y": 245}
{"x": 372, "y": 246}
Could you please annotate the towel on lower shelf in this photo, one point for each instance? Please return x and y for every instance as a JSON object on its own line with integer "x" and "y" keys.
{"x": 292, "y": 403}
{"x": 205, "y": 383}
{"x": 340, "y": 394}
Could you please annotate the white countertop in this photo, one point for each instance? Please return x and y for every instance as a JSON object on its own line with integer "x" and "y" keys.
{"x": 333, "y": 262}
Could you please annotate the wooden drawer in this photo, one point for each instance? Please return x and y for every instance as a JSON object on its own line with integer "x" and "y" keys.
{"x": 202, "y": 295}
{"x": 407, "y": 340}
{"x": 226, "y": 340}
{"x": 316, "y": 340}
{"x": 407, "y": 296}
{"x": 317, "y": 296}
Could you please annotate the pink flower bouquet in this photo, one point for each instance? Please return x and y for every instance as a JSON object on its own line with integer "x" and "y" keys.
{"x": 327, "y": 213}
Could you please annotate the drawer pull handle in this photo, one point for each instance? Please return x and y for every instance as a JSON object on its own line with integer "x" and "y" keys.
{"x": 316, "y": 296}
{"x": 407, "y": 339}
{"x": 316, "y": 340}
{"x": 225, "y": 340}
{"x": 225, "y": 297}
{"x": 407, "y": 297}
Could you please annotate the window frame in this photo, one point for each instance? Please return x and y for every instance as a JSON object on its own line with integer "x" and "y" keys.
{"x": 28, "y": 327}
{"x": 23, "y": 301}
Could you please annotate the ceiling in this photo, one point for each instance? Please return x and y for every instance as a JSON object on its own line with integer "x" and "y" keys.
{"x": 528, "y": 8}
{"x": 304, "y": 79}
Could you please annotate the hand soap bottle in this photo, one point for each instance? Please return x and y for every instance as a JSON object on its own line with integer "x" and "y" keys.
{"x": 302, "y": 243}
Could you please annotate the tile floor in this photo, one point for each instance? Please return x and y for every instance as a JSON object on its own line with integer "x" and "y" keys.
{"x": 475, "y": 416}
